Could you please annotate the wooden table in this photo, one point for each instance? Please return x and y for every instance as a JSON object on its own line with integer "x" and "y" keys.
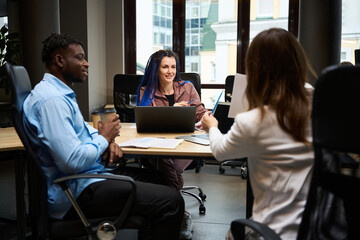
{"x": 11, "y": 143}
{"x": 184, "y": 150}
{"x": 9, "y": 140}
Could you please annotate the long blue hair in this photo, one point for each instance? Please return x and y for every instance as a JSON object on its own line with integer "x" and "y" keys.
{"x": 151, "y": 76}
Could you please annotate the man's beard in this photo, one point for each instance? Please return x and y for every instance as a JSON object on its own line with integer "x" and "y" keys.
{"x": 70, "y": 78}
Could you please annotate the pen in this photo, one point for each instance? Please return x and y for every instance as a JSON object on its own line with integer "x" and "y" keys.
{"x": 216, "y": 103}
{"x": 191, "y": 101}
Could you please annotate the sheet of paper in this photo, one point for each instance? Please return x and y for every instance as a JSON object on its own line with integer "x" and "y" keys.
{"x": 239, "y": 102}
{"x": 152, "y": 143}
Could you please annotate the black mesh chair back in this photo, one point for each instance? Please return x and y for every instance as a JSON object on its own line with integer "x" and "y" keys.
{"x": 125, "y": 92}
{"x": 20, "y": 89}
{"x": 242, "y": 162}
{"x": 333, "y": 210}
{"x": 229, "y": 83}
{"x": 357, "y": 57}
{"x": 194, "y": 78}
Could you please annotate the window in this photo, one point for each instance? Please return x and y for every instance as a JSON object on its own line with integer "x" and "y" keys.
{"x": 210, "y": 44}
{"x": 264, "y": 8}
{"x": 194, "y": 67}
{"x": 3, "y": 22}
{"x": 195, "y": 39}
{"x": 153, "y": 22}
{"x": 212, "y": 31}
{"x": 195, "y": 12}
{"x": 350, "y": 36}
{"x": 275, "y": 12}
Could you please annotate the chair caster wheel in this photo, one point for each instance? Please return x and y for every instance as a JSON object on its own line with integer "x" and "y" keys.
{"x": 221, "y": 170}
{"x": 202, "y": 196}
{"x": 202, "y": 209}
{"x": 244, "y": 173}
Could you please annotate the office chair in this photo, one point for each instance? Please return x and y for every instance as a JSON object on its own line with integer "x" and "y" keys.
{"x": 42, "y": 226}
{"x": 124, "y": 93}
{"x": 194, "y": 78}
{"x": 332, "y": 210}
{"x": 233, "y": 163}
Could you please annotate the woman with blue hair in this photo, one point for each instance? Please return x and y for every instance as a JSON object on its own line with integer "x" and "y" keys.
{"x": 161, "y": 86}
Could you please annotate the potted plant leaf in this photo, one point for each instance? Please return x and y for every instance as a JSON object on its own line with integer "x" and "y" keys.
{"x": 9, "y": 52}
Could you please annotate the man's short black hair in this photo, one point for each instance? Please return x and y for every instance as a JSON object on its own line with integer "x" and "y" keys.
{"x": 56, "y": 42}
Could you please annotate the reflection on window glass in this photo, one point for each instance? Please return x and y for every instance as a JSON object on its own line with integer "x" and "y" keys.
{"x": 350, "y": 37}
{"x": 153, "y": 29}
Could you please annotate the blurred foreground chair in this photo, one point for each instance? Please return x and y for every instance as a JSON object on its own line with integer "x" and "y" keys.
{"x": 332, "y": 210}
{"x": 42, "y": 226}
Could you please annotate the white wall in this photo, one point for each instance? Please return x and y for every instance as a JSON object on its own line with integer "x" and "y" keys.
{"x": 96, "y": 53}
{"x": 114, "y": 44}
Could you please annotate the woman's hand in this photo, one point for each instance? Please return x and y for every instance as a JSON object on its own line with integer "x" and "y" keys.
{"x": 208, "y": 121}
{"x": 181, "y": 104}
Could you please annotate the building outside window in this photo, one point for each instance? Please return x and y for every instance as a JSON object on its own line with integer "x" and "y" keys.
{"x": 211, "y": 34}
{"x": 153, "y": 29}
{"x": 350, "y": 36}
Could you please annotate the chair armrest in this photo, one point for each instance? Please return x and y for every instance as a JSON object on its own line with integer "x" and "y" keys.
{"x": 121, "y": 219}
{"x": 238, "y": 229}
{"x": 103, "y": 176}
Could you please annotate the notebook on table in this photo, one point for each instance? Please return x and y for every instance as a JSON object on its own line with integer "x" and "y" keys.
{"x": 221, "y": 114}
{"x": 165, "y": 119}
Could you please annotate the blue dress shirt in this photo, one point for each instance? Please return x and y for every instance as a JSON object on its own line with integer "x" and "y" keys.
{"x": 64, "y": 143}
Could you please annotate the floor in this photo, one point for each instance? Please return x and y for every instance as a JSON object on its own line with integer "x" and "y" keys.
{"x": 225, "y": 201}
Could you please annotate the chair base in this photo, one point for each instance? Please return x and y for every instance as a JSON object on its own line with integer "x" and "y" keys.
{"x": 233, "y": 164}
{"x": 200, "y": 198}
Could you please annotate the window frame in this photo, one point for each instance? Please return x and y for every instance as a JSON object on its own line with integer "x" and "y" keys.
{"x": 178, "y": 38}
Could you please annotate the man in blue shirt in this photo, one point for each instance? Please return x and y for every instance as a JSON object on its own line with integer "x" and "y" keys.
{"x": 65, "y": 144}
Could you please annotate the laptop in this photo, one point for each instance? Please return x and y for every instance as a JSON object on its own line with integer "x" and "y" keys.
{"x": 165, "y": 119}
{"x": 225, "y": 123}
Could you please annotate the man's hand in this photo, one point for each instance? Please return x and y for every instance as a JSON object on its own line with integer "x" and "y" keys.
{"x": 114, "y": 152}
{"x": 208, "y": 121}
{"x": 110, "y": 129}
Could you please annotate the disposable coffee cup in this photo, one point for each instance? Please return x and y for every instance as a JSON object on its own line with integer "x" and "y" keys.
{"x": 95, "y": 118}
{"x": 106, "y": 114}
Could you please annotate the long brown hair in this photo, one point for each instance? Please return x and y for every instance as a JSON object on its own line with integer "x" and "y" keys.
{"x": 277, "y": 69}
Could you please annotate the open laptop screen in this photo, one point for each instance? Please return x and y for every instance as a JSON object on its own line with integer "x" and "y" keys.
{"x": 165, "y": 119}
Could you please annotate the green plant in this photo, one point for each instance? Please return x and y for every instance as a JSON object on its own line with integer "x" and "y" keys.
{"x": 9, "y": 52}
